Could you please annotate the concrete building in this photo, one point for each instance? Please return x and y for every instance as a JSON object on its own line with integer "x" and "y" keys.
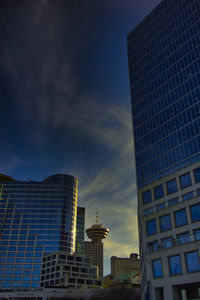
{"x": 163, "y": 54}
{"x": 36, "y": 218}
{"x": 63, "y": 270}
{"x": 121, "y": 265}
{"x": 94, "y": 249}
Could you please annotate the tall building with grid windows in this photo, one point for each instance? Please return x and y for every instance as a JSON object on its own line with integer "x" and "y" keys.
{"x": 164, "y": 64}
{"x": 36, "y": 219}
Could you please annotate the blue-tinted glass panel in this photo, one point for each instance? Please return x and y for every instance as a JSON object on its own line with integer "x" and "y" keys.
{"x": 151, "y": 227}
{"x": 184, "y": 238}
{"x": 192, "y": 260}
{"x": 167, "y": 242}
{"x": 153, "y": 246}
{"x": 197, "y": 175}
{"x": 180, "y": 217}
{"x": 195, "y": 212}
{"x": 157, "y": 268}
{"x": 148, "y": 211}
{"x": 146, "y": 197}
{"x": 165, "y": 223}
{"x": 173, "y": 201}
{"x": 188, "y": 196}
{"x": 175, "y": 265}
{"x": 185, "y": 180}
{"x": 171, "y": 186}
{"x": 197, "y": 234}
{"x": 160, "y": 206}
{"x": 158, "y": 192}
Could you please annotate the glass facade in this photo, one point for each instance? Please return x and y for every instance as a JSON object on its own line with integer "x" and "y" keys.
{"x": 164, "y": 84}
{"x": 36, "y": 218}
{"x": 80, "y": 231}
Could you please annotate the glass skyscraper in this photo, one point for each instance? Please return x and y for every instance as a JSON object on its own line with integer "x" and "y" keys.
{"x": 164, "y": 70}
{"x": 80, "y": 231}
{"x": 163, "y": 54}
{"x": 36, "y": 218}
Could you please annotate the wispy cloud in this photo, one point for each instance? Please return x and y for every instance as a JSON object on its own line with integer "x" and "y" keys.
{"x": 10, "y": 162}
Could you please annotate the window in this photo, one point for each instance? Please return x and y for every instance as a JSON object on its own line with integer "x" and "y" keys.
{"x": 151, "y": 227}
{"x": 195, "y": 212}
{"x": 153, "y": 246}
{"x": 146, "y": 197}
{"x": 167, "y": 242}
{"x": 180, "y": 217}
{"x": 173, "y": 201}
{"x": 192, "y": 260}
{"x": 184, "y": 238}
{"x": 171, "y": 186}
{"x": 197, "y": 234}
{"x": 175, "y": 265}
{"x": 158, "y": 192}
{"x": 160, "y": 206}
{"x": 185, "y": 180}
{"x": 165, "y": 223}
{"x": 147, "y": 211}
{"x": 188, "y": 196}
{"x": 197, "y": 175}
{"x": 157, "y": 268}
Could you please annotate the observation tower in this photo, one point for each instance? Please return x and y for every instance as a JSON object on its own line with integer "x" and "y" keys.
{"x": 94, "y": 249}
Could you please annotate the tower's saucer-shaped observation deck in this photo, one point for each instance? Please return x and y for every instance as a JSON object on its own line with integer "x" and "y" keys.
{"x": 97, "y": 232}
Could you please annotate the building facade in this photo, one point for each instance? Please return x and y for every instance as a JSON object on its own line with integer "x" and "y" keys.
{"x": 121, "y": 265}
{"x": 94, "y": 249}
{"x": 63, "y": 270}
{"x": 80, "y": 230}
{"x": 37, "y": 218}
{"x": 163, "y": 54}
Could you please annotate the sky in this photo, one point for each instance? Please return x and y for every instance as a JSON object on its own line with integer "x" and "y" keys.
{"x": 65, "y": 104}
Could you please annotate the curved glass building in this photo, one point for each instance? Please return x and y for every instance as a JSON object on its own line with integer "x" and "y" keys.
{"x": 36, "y": 218}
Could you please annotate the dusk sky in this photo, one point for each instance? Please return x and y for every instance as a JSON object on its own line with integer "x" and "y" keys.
{"x": 65, "y": 104}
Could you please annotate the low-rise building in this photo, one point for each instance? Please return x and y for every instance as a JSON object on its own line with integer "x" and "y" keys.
{"x": 62, "y": 270}
{"x": 123, "y": 265}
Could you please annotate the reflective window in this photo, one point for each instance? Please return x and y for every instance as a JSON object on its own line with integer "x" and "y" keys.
{"x": 180, "y": 217}
{"x": 167, "y": 242}
{"x": 158, "y": 192}
{"x": 197, "y": 234}
{"x": 192, "y": 260}
{"x": 165, "y": 223}
{"x": 195, "y": 212}
{"x": 157, "y": 268}
{"x": 160, "y": 206}
{"x": 173, "y": 201}
{"x": 184, "y": 238}
{"x": 175, "y": 265}
{"x": 146, "y": 197}
{"x": 197, "y": 175}
{"x": 185, "y": 180}
{"x": 171, "y": 186}
{"x": 188, "y": 196}
{"x": 151, "y": 227}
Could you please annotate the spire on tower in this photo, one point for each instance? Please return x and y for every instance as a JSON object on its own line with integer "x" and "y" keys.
{"x": 97, "y": 217}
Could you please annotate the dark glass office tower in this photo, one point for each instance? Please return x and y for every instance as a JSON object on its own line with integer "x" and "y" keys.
{"x": 80, "y": 231}
{"x": 164, "y": 69}
{"x": 36, "y": 218}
